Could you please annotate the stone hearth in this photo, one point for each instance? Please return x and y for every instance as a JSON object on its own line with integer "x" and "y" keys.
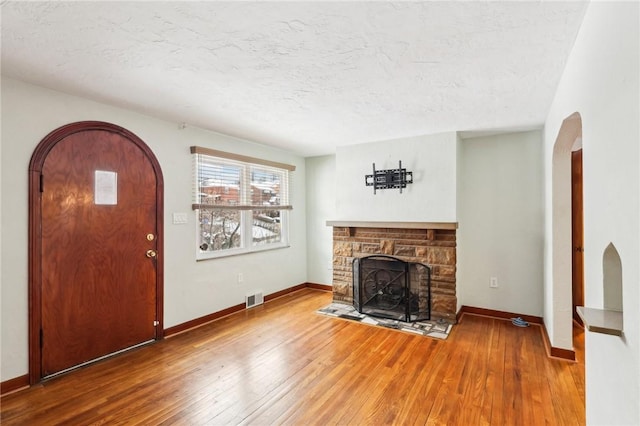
{"x": 433, "y": 244}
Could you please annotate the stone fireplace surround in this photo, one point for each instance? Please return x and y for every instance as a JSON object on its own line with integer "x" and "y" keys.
{"x": 431, "y": 243}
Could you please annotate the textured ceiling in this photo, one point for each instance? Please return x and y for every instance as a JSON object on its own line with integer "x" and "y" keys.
{"x": 304, "y": 76}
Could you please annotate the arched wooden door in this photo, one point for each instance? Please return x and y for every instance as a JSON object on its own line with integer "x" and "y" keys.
{"x": 95, "y": 246}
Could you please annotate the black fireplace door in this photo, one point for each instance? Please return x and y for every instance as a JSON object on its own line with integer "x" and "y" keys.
{"x": 383, "y": 287}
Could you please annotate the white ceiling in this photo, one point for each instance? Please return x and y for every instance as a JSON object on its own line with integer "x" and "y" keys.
{"x": 304, "y": 76}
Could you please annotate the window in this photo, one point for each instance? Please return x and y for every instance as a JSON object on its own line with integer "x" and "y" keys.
{"x": 241, "y": 203}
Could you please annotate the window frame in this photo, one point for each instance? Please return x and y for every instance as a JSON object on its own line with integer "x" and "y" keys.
{"x": 245, "y": 207}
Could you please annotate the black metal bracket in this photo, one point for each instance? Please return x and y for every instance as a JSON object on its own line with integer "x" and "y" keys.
{"x": 392, "y": 178}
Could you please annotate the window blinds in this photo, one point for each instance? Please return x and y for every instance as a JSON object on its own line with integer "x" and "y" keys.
{"x": 229, "y": 181}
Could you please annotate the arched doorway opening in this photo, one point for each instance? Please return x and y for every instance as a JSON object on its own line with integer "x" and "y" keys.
{"x": 567, "y": 266}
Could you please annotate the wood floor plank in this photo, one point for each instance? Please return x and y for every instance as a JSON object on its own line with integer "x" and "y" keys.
{"x": 282, "y": 363}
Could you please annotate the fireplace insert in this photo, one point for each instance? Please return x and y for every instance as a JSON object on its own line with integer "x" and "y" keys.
{"x": 388, "y": 287}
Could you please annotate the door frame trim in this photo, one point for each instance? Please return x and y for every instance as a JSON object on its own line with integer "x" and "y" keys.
{"x": 35, "y": 235}
{"x": 577, "y": 214}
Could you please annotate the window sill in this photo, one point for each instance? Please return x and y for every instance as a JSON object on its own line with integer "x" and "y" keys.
{"x": 239, "y": 252}
{"x": 601, "y": 320}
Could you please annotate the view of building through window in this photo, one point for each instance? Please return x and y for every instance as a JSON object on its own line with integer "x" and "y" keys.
{"x": 240, "y": 206}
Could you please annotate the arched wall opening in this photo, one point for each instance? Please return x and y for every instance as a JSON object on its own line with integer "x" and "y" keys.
{"x": 612, "y": 279}
{"x": 569, "y": 136}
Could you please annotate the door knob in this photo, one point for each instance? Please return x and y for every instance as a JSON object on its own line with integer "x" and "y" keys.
{"x": 151, "y": 254}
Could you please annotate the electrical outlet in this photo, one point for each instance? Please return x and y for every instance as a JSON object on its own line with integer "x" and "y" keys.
{"x": 240, "y": 278}
{"x": 493, "y": 282}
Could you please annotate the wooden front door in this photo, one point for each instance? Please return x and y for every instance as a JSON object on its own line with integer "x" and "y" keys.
{"x": 577, "y": 233}
{"x": 100, "y": 239}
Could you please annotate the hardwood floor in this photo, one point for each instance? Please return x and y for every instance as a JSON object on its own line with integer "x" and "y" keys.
{"x": 281, "y": 363}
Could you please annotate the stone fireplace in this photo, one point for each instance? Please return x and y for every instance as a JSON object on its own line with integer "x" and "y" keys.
{"x": 430, "y": 243}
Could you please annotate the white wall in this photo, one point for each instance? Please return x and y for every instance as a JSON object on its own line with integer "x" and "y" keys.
{"x": 1, "y": 250}
{"x": 493, "y": 186}
{"x": 459, "y": 213}
{"x": 431, "y": 197}
{"x": 321, "y": 207}
{"x": 501, "y": 227}
{"x": 192, "y": 289}
{"x": 601, "y": 83}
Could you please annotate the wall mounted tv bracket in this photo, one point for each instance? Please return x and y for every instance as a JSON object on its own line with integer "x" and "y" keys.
{"x": 392, "y": 178}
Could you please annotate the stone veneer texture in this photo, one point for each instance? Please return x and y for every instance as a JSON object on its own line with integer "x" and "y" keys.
{"x": 433, "y": 247}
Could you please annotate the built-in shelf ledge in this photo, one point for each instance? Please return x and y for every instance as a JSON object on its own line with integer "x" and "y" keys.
{"x": 399, "y": 225}
{"x": 601, "y": 320}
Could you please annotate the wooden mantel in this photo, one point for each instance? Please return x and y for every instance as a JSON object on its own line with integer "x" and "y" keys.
{"x": 392, "y": 225}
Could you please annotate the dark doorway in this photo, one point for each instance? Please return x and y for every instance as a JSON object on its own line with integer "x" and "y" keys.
{"x": 577, "y": 234}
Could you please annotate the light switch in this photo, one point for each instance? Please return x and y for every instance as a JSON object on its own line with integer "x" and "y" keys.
{"x": 179, "y": 218}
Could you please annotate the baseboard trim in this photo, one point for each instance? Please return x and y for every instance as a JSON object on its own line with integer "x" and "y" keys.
{"x": 14, "y": 385}
{"x": 284, "y": 292}
{"x": 197, "y": 322}
{"x": 498, "y": 314}
{"x": 564, "y": 354}
{"x": 552, "y": 352}
{"x": 323, "y": 287}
